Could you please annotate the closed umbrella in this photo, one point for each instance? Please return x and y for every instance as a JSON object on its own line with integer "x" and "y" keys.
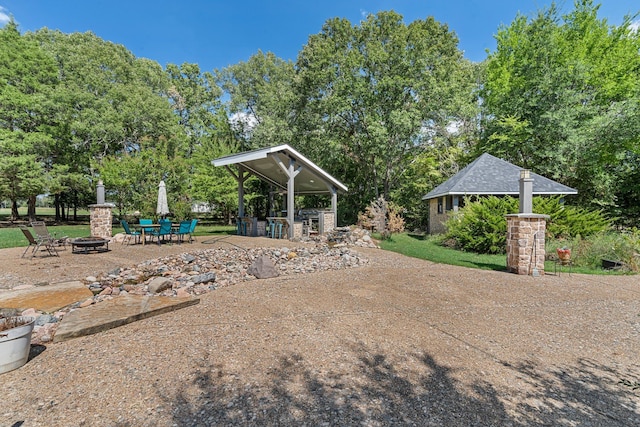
{"x": 163, "y": 206}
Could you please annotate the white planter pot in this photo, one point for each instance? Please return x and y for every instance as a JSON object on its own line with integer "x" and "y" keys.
{"x": 15, "y": 344}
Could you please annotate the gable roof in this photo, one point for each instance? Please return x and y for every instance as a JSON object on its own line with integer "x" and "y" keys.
{"x": 263, "y": 163}
{"x": 490, "y": 175}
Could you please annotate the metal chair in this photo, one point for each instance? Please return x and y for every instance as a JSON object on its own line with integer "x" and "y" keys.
{"x": 146, "y": 221}
{"x": 38, "y": 242}
{"x": 192, "y": 228}
{"x": 128, "y": 233}
{"x": 275, "y": 229}
{"x": 183, "y": 229}
{"x": 43, "y": 234}
{"x": 164, "y": 230}
{"x": 31, "y": 239}
{"x": 241, "y": 226}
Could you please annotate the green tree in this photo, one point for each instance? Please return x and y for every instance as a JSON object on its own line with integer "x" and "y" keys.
{"x": 210, "y": 184}
{"x": 261, "y": 100}
{"x": 132, "y": 180}
{"x": 27, "y": 79}
{"x": 561, "y": 97}
{"x": 375, "y": 96}
{"x": 195, "y": 98}
{"x": 108, "y": 102}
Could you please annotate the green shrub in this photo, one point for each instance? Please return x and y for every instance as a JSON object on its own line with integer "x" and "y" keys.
{"x": 480, "y": 226}
{"x": 566, "y": 221}
{"x": 590, "y": 251}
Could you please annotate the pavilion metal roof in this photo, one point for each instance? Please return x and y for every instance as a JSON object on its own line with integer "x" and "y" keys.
{"x": 490, "y": 175}
{"x": 265, "y": 163}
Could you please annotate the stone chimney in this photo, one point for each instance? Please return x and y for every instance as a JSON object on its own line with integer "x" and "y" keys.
{"x": 526, "y": 233}
{"x": 101, "y": 215}
{"x": 526, "y": 192}
{"x": 100, "y": 193}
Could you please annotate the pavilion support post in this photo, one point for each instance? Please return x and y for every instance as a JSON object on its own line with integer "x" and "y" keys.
{"x": 291, "y": 197}
{"x": 334, "y": 205}
{"x": 241, "y": 193}
{"x": 291, "y": 172}
{"x": 240, "y": 177}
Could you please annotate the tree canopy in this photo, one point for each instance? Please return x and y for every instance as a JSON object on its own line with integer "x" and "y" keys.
{"x": 561, "y": 96}
{"x": 376, "y": 96}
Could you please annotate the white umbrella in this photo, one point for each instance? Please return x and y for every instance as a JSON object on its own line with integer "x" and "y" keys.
{"x": 163, "y": 206}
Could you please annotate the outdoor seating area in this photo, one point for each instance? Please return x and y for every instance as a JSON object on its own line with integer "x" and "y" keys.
{"x": 306, "y": 224}
{"x": 274, "y": 227}
{"x": 161, "y": 232}
{"x": 302, "y": 177}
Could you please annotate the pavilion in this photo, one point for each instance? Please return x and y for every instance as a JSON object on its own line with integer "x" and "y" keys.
{"x": 288, "y": 171}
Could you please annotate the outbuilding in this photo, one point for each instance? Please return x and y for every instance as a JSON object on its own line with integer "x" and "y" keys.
{"x": 486, "y": 175}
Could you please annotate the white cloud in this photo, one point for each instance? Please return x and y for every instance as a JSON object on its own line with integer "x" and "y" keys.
{"x": 635, "y": 26}
{"x": 4, "y": 16}
{"x": 243, "y": 123}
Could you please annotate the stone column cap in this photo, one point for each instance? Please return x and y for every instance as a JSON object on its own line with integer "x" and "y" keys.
{"x": 528, "y": 215}
{"x": 103, "y": 205}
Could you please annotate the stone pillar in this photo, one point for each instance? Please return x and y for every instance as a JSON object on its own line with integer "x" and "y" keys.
{"x": 101, "y": 220}
{"x": 526, "y": 243}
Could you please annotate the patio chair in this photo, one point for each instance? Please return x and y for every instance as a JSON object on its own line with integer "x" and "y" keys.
{"x": 147, "y": 230}
{"x": 164, "y": 230}
{"x": 129, "y": 234}
{"x": 32, "y": 241}
{"x": 275, "y": 229}
{"x": 241, "y": 227}
{"x": 183, "y": 229}
{"x": 192, "y": 228}
{"x": 37, "y": 243}
{"x": 42, "y": 233}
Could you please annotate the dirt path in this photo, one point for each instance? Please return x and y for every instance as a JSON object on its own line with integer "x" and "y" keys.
{"x": 398, "y": 342}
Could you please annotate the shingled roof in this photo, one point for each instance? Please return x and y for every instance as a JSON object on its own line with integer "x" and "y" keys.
{"x": 490, "y": 175}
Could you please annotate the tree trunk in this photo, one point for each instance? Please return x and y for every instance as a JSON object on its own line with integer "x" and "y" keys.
{"x": 56, "y": 203}
{"x": 14, "y": 210}
{"x": 31, "y": 208}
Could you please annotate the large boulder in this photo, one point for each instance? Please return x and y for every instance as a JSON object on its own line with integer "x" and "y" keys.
{"x": 263, "y": 268}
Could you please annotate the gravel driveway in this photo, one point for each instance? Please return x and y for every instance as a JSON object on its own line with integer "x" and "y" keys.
{"x": 397, "y": 342}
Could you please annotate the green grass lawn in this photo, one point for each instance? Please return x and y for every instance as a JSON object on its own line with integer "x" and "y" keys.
{"x": 430, "y": 249}
{"x": 427, "y": 248}
{"x": 12, "y": 237}
{"x": 48, "y": 212}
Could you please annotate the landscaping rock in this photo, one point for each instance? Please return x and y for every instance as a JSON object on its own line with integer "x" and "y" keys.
{"x": 159, "y": 284}
{"x": 263, "y": 268}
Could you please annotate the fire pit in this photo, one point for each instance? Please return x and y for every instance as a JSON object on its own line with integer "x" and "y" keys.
{"x": 86, "y": 244}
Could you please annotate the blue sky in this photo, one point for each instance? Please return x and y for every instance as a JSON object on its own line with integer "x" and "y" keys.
{"x": 217, "y": 33}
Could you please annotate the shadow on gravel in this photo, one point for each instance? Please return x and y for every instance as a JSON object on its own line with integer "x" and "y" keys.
{"x": 378, "y": 394}
{"x": 586, "y": 394}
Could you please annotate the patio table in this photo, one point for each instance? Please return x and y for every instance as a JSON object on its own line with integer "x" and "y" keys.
{"x": 154, "y": 226}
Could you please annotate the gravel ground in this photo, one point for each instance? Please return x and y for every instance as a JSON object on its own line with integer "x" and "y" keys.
{"x": 399, "y": 341}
